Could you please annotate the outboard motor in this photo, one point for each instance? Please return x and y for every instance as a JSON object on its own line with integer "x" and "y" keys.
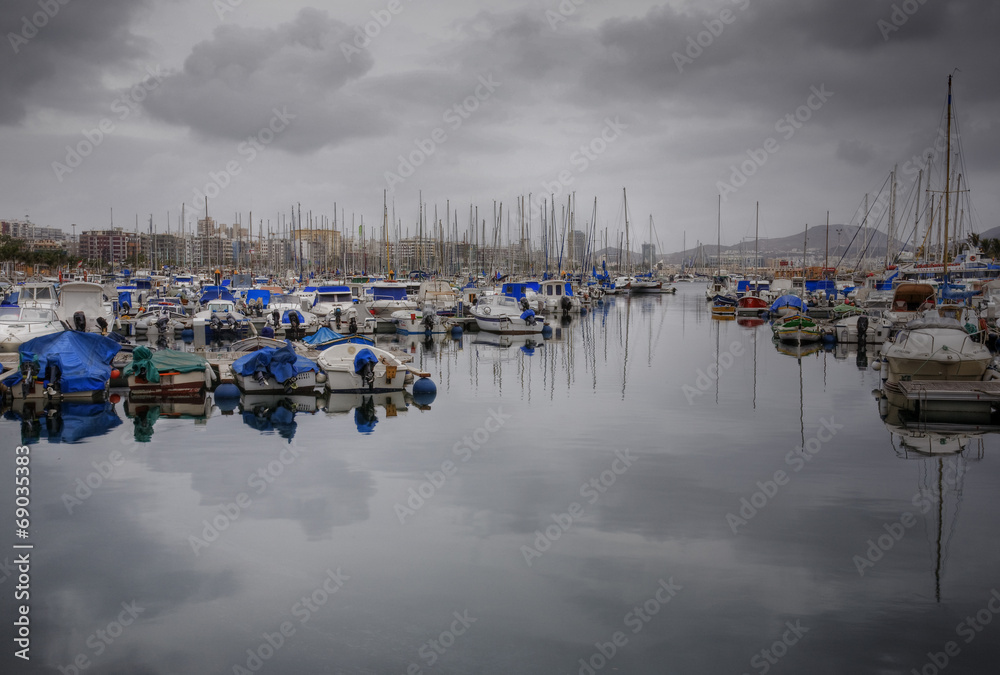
{"x": 336, "y": 315}
{"x": 216, "y": 322}
{"x": 259, "y": 307}
{"x": 428, "y": 322}
{"x": 260, "y": 377}
{"x": 352, "y": 325}
{"x": 293, "y": 320}
{"x": 525, "y": 305}
{"x": 29, "y": 373}
{"x": 79, "y": 321}
{"x": 367, "y": 374}
{"x": 276, "y": 317}
{"x": 161, "y": 323}
{"x": 102, "y": 323}
{"x": 565, "y": 303}
{"x": 53, "y": 374}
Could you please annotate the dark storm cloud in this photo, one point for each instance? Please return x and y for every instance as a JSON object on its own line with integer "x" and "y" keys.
{"x": 231, "y": 84}
{"x": 57, "y": 58}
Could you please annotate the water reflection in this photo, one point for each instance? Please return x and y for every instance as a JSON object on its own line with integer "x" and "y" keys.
{"x": 270, "y": 413}
{"x": 145, "y": 413}
{"x": 62, "y": 422}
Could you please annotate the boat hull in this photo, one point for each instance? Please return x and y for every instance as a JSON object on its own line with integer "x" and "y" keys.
{"x": 171, "y": 384}
{"x": 305, "y": 382}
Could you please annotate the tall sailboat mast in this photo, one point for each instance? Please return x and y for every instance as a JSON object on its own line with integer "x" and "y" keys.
{"x": 947, "y": 178}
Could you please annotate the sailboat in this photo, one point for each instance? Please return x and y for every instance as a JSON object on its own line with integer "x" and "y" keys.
{"x": 751, "y": 303}
{"x": 720, "y": 290}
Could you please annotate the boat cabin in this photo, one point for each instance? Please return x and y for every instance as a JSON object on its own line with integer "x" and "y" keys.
{"x": 913, "y": 297}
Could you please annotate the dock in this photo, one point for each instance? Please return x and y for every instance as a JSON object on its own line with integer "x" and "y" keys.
{"x": 948, "y": 390}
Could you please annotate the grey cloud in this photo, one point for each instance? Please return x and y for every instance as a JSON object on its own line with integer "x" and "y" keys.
{"x": 230, "y": 84}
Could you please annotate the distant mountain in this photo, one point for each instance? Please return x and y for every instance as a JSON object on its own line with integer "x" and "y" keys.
{"x": 844, "y": 241}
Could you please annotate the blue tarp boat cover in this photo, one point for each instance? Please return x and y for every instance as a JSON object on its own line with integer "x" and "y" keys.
{"x": 389, "y": 292}
{"x": 84, "y": 359}
{"x": 125, "y": 300}
{"x": 252, "y": 296}
{"x": 282, "y": 363}
{"x": 517, "y": 290}
{"x": 325, "y": 337}
{"x": 333, "y": 289}
{"x": 364, "y": 356}
{"x": 788, "y": 301}
{"x": 527, "y": 314}
{"x": 723, "y": 300}
{"x": 285, "y": 319}
{"x": 209, "y": 293}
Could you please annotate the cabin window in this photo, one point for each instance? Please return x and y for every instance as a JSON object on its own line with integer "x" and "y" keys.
{"x": 558, "y": 290}
{"x": 548, "y": 290}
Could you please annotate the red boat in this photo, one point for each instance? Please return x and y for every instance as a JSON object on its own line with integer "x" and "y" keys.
{"x": 751, "y": 305}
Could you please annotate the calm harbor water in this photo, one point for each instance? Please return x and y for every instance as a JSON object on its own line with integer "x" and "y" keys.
{"x": 650, "y": 491}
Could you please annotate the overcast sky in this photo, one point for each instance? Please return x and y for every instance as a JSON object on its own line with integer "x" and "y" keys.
{"x": 491, "y": 101}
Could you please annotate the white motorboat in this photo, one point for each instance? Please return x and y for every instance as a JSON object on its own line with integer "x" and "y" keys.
{"x": 503, "y": 314}
{"x": 83, "y": 308}
{"x": 909, "y": 300}
{"x": 220, "y": 315}
{"x": 331, "y": 302}
{"x": 876, "y": 328}
{"x": 419, "y": 322}
{"x": 359, "y": 368}
{"x": 385, "y": 297}
{"x": 936, "y": 347}
{"x": 20, "y": 324}
{"x": 38, "y": 294}
{"x": 556, "y": 295}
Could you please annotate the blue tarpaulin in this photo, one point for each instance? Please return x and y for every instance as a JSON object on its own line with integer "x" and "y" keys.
{"x": 788, "y": 301}
{"x": 363, "y": 357}
{"x": 282, "y": 363}
{"x": 285, "y": 319}
{"x": 84, "y": 359}
{"x": 209, "y": 293}
{"x": 527, "y": 314}
{"x": 325, "y": 337}
{"x": 252, "y": 296}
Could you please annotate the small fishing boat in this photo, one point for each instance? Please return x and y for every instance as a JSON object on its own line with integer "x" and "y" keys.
{"x": 724, "y": 306}
{"x": 419, "y": 322}
{"x": 752, "y": 305}
{"x": 166, "y": 372}
{"x": 796, "y": 329}
{"x": 270, "y": 370}
{"x": 69, "y": 365}
{"x": 362, "y": 369}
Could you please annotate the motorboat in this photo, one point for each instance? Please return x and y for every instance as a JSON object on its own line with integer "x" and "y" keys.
{"x": 556, "y": 296}
{"x": 419, "y": 321}
{"x": 68, "y": 365}
{"x": 935, "y": 347}
{"x": 20, "y": 324}
{"x": 385, "y": 297}
{"x": 909, "y": 301}
{"x": 503, "y": 314}
{"x": 275, "y": 370}
{"x": 220, "y": 315}
{"x": 362, "y": 369}
{"x": 752, "y": 305}
{"x": 853, "y": 324}
{"x": 82, "y": 307}
{"x": 167, "y": 372}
